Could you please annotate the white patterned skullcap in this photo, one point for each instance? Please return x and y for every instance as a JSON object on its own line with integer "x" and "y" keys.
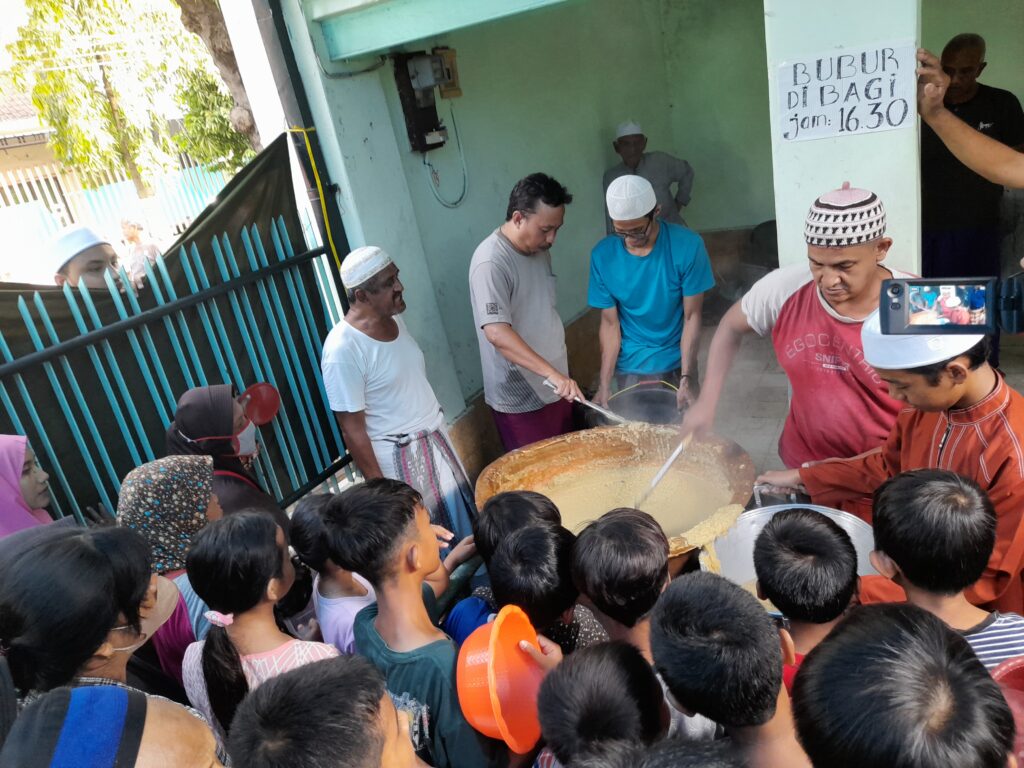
{"x": 844, "y": 217}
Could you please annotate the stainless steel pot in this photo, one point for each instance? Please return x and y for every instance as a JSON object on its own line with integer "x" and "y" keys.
{"x": 735, "y": 549}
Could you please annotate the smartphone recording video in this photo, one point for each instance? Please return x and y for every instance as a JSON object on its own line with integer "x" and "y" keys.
{"x": 945, "y": 305}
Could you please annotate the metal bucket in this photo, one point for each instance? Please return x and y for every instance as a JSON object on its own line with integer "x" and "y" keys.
{"x": 735, "y": 549}
{"x": 650, "y": 402}
{"x": 533, "y": 467}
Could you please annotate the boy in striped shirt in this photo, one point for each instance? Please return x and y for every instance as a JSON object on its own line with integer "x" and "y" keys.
{"x": 934, "y": 533}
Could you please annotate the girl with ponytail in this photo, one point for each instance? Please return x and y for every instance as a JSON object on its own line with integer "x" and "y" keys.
{"x": 240, "y": 567}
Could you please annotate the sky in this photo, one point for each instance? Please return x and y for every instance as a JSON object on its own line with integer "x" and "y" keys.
{"x": 13, "y": 13}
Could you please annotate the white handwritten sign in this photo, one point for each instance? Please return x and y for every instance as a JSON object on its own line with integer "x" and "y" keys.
{"x": 853, "y": 90}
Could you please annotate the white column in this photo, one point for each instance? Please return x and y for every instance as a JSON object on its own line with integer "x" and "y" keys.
{"x": 357, "y": 137}
{"x": 799, "y": 32}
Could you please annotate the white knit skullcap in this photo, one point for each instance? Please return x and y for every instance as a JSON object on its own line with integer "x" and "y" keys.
{"x": 629, "y": 198}
{"x": 362, "y": 264}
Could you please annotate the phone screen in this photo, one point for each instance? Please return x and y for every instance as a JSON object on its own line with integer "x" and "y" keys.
{"x": 952, "y": 304}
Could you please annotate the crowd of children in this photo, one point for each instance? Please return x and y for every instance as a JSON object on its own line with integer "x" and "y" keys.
{"x": 179, "y": 634}
{"x": 691, "y": 671}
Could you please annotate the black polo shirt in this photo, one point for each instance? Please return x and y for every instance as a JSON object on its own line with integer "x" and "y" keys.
{"x": 953, "y": 196}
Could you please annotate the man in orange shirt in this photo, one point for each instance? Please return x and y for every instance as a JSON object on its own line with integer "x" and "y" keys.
{"x": 963, "y": 417}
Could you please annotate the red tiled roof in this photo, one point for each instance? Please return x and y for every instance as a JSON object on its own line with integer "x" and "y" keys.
{"x": 18, "y": 116}
{"x": 16, "y": 106}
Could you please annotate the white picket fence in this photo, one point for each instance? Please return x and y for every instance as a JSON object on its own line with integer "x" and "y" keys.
{"x": 37, "y": 201}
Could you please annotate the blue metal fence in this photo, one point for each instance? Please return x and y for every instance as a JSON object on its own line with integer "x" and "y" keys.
{"x": 95, "y": 402}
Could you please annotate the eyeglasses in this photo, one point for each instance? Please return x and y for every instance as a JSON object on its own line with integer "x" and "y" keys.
{"x": 637, "y": 234}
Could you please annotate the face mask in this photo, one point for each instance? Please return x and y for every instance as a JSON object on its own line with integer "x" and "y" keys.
{"x": 246, "y": 440}
{"x": 141, "y": 638}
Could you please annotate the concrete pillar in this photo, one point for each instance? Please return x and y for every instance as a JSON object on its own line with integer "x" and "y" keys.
{"x": 361, "y": 153}
{"x": 884, "y": 161}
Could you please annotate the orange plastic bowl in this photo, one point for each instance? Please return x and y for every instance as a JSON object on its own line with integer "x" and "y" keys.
{"x": 498, "y": 683}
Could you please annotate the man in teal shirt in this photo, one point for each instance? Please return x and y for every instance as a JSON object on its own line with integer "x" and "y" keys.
{"x": 648, "y": 279}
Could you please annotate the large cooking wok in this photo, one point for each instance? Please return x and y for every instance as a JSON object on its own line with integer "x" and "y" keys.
{"x": 533, "y": 467}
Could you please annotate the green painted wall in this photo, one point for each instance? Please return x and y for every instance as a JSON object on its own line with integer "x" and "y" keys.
{"x": 543, "y": 92}
{"x": 1000, "y": 22}
{"x": 714, "y": 55}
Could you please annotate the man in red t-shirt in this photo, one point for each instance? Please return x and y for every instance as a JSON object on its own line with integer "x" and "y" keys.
{"x": 838, "y": 405}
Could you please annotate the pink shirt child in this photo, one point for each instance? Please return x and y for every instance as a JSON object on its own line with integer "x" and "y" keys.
{"x": 257, "y": 667}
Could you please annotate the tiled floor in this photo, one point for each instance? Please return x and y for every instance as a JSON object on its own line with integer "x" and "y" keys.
{"x": 753, "y": 406}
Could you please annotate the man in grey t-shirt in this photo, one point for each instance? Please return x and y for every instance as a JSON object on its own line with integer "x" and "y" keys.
{"x": 521, "y": 336}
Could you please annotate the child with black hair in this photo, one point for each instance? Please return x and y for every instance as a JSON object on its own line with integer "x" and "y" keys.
{"x": 934, "y": 533}
{"x": 597, "y": 700}
{"x": 239, "y": 565}
{"x": 620, "y": 566}
{"x": 963, "y": 417}
{"x": 892, "y": 685}
{"x": 806, "y": 566}
{"x": 532, "y": 569}
{"x": 75, "y": 603}
{"x": 299, "y": 720}
{"x": 677, "y": 753}
{"x": 338, "y": 594}
{"x": 505, "y": 517}
{"x": 381, "y": 529}
{"x": 510, "y": 511}
{"x": 721, "y": 655}
{"x": 666, "y": 753}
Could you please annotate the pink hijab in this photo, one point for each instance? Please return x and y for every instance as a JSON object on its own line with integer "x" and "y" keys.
{"x": 15, "y": 514}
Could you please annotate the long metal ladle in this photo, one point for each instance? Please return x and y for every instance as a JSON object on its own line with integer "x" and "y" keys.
{"x": 664, "y": 470}
{"x": 610, "y": 415}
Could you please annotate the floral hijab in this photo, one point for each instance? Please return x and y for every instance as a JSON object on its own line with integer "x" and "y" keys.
{"x": 165, "y": 501}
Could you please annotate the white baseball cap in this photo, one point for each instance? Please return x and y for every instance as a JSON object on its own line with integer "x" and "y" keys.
{"x": 362, "y": 264}
{"x": 629, "y": 198}
{"x": 628, "y": 128}
{"x": 70, "y": 242}
{"x": 903, "y": 351}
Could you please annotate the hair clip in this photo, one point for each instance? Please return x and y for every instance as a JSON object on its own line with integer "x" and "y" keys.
{"x": 219, "y": 619}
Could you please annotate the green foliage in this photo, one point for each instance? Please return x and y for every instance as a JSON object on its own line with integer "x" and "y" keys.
{"x": 104, "y": 75}
{"x": 207, "y": 135}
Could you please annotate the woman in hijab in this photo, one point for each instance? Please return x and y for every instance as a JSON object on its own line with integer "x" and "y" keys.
{"x": 168, "y": 501}
{"x": 212, "y": 421}
{"x": 24, "y": 487}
